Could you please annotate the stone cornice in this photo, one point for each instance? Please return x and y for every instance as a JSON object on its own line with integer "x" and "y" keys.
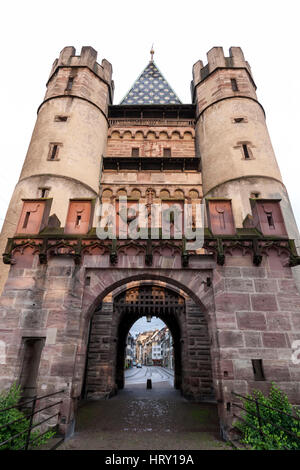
{"x": 49, "y": 244}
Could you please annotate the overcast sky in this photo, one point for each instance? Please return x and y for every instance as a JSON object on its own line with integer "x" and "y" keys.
{"x": 142, "y": 325}
{"x": 34, "y": 32}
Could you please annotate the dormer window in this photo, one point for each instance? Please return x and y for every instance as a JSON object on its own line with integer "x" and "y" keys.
{"x": 220, "y": 217}
{"x": 268, "y": 217}
{"x": 34, "y": 215}
{"x": 79, "y": 216}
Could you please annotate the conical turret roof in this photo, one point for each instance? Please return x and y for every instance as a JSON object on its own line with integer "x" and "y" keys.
{"x": 151, "y": 88}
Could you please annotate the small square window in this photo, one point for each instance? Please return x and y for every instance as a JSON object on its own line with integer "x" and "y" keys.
{"x": 61, "y": 118}
{"x": 238, "y": 120}
{"x": 167, "y": 152}
{"x": 135, "y": 152}
{"x": 44, "y": 192}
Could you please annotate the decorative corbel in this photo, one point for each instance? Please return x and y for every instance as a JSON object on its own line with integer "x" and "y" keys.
{"x": 220, "y": 252}
{"x": 43, "y": 252}
{"x": 149, "y": 256}
{"x": 257, "y": 256}
{"x": 113, "y": 256}
{"x": 77, "y": 255}
{"x": 184, "y": 255}
{"x": 294, "y": 258}
{"x": 7, "y": 259}
{"x": 42, "y": 258}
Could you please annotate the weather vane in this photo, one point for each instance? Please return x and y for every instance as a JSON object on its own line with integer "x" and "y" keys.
{"x": 152, "y": 53}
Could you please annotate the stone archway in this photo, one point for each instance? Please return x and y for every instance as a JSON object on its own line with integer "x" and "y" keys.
{"x": 152, "y": 300}
{"x": 110, "y": 325}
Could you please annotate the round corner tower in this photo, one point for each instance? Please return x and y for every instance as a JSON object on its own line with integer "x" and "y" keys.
{"x": 238, "y": 160}
{"x": 69, "y": 138}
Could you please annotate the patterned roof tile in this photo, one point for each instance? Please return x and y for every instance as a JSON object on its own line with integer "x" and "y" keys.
{"x": 151, "y": 88}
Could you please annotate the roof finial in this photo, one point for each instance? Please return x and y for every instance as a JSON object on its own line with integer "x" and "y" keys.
{"x": 152, "y": 53}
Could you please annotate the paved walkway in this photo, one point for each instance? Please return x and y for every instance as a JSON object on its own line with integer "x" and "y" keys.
{"x": 137, "y": 418}
{"x": 155, "y": 373}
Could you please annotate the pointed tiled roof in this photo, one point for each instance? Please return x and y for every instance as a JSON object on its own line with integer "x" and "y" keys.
{"x": 151, "y": 88}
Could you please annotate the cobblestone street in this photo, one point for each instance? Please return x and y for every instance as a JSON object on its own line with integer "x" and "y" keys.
{"x": 137, "y": 418}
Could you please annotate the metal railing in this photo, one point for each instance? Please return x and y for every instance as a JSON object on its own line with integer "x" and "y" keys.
{"x": 29, "y": 415}
{"x": 263, "y": 420}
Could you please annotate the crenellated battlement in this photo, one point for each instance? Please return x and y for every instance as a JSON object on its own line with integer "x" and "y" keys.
{"x": 87, "y": 58}
{"x": 216, "y": 59}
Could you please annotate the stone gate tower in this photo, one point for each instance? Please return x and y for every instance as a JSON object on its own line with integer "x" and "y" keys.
{"x": 70, "y": 298}
{"x": 67, "y": 144}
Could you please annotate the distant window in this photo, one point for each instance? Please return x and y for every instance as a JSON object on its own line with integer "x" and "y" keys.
{"x": 26, "y": 219}
{"x": 167, "y": 152}
{"x": 43, "y": 192}
{"x": 53, "y": 151}
{"x": 258, "y": 369}
{"x": 135, "y": 152}
{"x": 78, "y": 220}
{"x": 238, "y": 120}
{"x": 61, "y": 118}
{"x": 270, "y": 220}
{"x": 70, "y": 83}
{"x": 234, "y": 84}
{"x": 246, "y": 152}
